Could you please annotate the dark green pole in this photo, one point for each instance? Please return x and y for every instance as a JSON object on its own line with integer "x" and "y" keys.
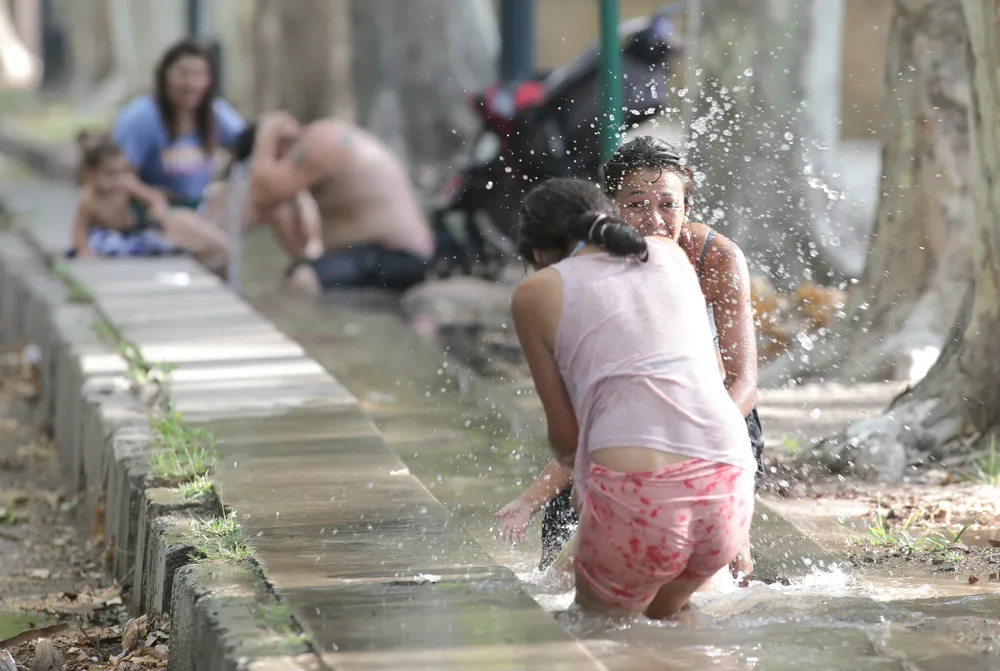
{"x": 611, "y": 77}
{"x": 517, "y": 41}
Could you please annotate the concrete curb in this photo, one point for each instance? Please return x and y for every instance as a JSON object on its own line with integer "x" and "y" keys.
{"x": 104, "y": 437}
{"x": 49, "y": 159}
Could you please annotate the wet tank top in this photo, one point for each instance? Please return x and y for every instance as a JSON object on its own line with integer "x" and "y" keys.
{"x": 634, "y": 349}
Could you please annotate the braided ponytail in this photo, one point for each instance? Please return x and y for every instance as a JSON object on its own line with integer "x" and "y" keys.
{"x": 613, "y": 234}
{"x": 562, "y": 211}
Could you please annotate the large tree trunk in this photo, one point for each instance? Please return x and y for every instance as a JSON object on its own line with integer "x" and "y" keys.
{"x": 303, "y": 58}
{"x": 139, "y": 32}
{"x": 959, "y": 400}
{"x": 231, "y": 23}
{"x": 20, "y": 68}
{"x": 900, "y": 310}
{"x": 415, "y": 64}
{"x": 755, "y": 137}
{"x": 85, "y": 24}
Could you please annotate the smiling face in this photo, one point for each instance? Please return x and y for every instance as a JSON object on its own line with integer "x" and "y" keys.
{"x": 652, "y": 202}
{"x": 188, "y": 81}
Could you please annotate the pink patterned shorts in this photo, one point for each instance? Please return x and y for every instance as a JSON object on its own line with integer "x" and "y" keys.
{"x": 639, "y": 531}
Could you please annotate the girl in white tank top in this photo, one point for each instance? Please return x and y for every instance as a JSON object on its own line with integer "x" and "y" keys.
{"x": 614, "y": 330}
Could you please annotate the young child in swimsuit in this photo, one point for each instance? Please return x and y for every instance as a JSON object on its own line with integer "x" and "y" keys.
{"x": 116, "y": 215}
{"x": 614, "y": 331}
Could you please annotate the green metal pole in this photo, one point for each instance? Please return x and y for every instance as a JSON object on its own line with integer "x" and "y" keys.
{"x": 611, "y": 77}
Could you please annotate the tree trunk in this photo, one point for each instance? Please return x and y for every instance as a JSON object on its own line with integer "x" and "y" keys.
{"x": 85, "y": 24}
{"x": 303, "y": 58}
{"x": 20, "y": 68}
{"x": 959, "y": 400}
{"x": 231, "y": 23}
{"x": 415, "y": 64}
{"x": 754, "y": 138}
{"x": 140, "y": 31}
{"x": 901, "y": 308}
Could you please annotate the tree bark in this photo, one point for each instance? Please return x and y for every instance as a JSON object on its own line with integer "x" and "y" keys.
{"x": 85, "y": 24}
{"x": 415, "y": 64}
{"x": 900, "y": 310}
{"x": 20, "y": 68}
{"x": 959, "y": 400}
{"x": 138, "y": 31}
{"x": 231, "y": 23}
{"x": 754, "y": 136}
{"x": 303, "y": 58}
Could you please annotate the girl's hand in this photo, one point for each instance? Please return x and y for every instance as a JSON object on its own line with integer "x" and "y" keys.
{"x": 514, "y": 518}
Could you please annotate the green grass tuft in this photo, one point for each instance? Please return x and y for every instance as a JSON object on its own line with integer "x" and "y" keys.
{"x": 221, "y": 539}
{"x": 198, "y": 489}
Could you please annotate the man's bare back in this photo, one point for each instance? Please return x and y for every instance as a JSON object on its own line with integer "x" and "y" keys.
{"x": 366, "y": 197}
{"x": 373, "y": 231}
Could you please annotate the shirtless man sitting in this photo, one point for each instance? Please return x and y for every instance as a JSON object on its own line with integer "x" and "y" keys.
{"x": 295, "y": 221}
{"x": 373, "y": 231}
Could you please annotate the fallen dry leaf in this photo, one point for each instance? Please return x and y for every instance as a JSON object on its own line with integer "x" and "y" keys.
{"x": 145, "y": 661}
{"x": 135, "y": 631}
{"x": 993, "y": 542}
{"x": 39, "y": 573}
{"x": 973, "y": 580}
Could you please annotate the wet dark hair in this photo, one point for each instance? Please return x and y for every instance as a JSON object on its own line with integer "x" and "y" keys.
{"x": 95, "y": 149}
{"x": 205, "y": 114}
{"x": 242, "y": 147}
{"x": 562, "y": 211}
{"x": 646, "y": 153}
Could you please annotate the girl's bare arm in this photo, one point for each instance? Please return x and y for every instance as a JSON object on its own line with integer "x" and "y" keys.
{"x": 81, "y": 226}
{"x": 727, "y": 288}
{"x": 552, "y": 480}
{"x": 536, "y": 298}
{"x": 155, "y": 201}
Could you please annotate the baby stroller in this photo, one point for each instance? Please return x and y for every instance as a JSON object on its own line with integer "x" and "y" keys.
{"x": 547, "y": 127}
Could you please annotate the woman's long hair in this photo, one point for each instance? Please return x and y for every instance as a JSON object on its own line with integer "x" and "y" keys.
{"x": 205, "y": 113}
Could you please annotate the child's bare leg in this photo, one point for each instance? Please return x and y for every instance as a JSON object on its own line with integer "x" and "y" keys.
{"x": 674, "y": 597}
{"x": 590, "y": 601}
{"x": 743, "y": 563}
{"x": 563, "y": 563}
{"x": 303, "y": 281}
{"x": 206, "y": 242}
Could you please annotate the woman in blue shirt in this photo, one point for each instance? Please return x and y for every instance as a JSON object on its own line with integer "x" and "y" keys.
{"x": 171, "y": 138}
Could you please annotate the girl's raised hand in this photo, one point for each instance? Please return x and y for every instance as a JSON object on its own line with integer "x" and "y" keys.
{"x": 514, "y": 518}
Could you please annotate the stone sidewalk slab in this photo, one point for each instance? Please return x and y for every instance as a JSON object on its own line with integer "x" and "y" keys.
{"x": 340, "y": 527}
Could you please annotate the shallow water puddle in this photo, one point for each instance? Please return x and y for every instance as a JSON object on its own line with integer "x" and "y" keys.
{"x": 461, "y": 446}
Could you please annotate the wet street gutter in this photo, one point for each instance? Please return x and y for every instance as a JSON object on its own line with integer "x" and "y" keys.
{"x": 329, "y": 468}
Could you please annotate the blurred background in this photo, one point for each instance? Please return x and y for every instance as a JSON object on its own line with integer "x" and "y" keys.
{"x": 446, "y": 84}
